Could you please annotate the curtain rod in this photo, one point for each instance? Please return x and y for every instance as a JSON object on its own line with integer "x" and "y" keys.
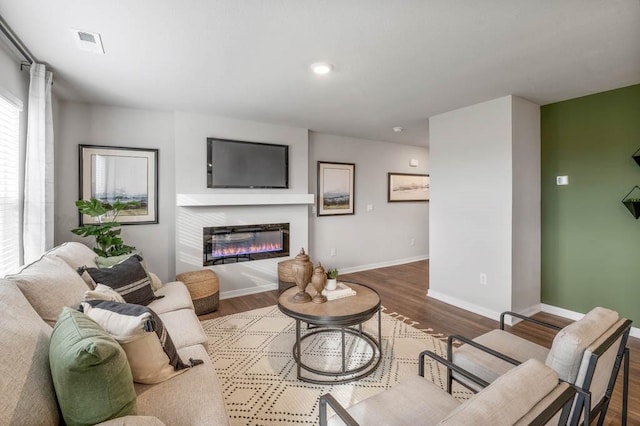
{"x": 13, "y": 39}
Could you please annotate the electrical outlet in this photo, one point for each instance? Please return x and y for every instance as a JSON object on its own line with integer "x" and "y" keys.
{"x": 333, "y": 251}
{"x": 483, "y": 279}
{"x": 369, "y": 207}
{"x": 313, "y": 209}
{"x": 412, "y": 242}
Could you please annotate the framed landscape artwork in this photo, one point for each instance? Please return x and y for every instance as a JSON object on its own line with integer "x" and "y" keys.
{"x": 110, "y": 173}
{"x": 335, "y": 188}
{"x": 404, "y": 187}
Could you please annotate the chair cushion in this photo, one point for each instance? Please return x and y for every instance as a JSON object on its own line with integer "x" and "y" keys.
{"x": 90, "y": 371}
{"x": 26, "y": 389}
{"x": 569, "y": 344}
{"x": 487, "y": 366}
{"x": 415, "y": 401}
{"x": 49, "y": 284}
{"x": 129, "y": 278}
{"x": 508, "y": 398}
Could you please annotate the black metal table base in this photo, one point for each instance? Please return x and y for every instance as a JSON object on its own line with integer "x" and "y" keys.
{"x": 344, "y": 375}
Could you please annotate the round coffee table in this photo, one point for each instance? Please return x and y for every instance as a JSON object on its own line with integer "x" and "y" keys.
{"x": 345, "y": 316}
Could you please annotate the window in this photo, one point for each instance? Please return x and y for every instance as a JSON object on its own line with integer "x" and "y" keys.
{"x": 9, "y": 186}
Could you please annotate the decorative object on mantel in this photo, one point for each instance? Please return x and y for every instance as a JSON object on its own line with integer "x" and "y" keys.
{"x": 342, "y": 290}
{"x": 636, "y": 156}
{"x": 332, "y": 279}
{"x": 405, "y": 187}
{"x": 302, "y": 270}
{"x": 336, "y": 188}
{"x": 318, "y": 281}
{"x": 632, "y": 201}
{"x": 110, "y": 174}
{"x": 105, "y": 228}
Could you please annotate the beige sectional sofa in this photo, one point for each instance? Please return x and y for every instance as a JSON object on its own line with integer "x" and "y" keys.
{"x": 29, "y": 304}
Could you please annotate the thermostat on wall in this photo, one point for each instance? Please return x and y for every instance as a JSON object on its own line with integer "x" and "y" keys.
{"x": 562, "y": 180}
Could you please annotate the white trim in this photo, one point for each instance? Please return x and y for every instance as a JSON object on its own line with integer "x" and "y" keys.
{"x": 247, "y": 291}
{"x": 11, "y": 98}
{"x": 572, "y": 315}
{"x": 463, "y": 304}
{"x": 199, "y": 200}
{"x": 383, "y": 264}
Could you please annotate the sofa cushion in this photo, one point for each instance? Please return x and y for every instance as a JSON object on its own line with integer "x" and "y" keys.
{"x": 133, "y": 421}
{"x": 49, "y": 284}
{"x": 76, "y": 255}
{"x": 184, "y": 327}
{"x": 90, "y": 371}
{"x": 569, "y": 344}
{"x": 103, "y": 292}
{"x": 152, "y": 355}
{"x": 192, "y": 398}
{"x": 129, "y": 278}
{"x": 507, "y": 399}
{"x": 26, "y": 389}
{"x": 176, "y": 296}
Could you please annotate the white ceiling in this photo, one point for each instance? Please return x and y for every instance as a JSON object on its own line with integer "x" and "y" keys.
{"x": 396, "y": 62}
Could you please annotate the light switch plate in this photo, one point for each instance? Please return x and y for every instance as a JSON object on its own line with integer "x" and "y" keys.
{"x": 562, "y": 180}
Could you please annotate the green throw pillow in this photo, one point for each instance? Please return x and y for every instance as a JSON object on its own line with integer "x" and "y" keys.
{"x": 90, "y": 371}
{"x": 107, "y": 262}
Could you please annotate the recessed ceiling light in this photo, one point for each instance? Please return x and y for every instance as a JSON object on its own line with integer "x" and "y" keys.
{"x": 321, "y": 68}
{"x": 398, "y": 129}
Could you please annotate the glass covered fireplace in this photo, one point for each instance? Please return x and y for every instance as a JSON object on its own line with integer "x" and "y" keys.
{"x": 233, "y": 244}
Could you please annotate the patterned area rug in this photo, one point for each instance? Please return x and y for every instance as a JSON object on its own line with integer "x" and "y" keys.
{"x": 252, "y": 355}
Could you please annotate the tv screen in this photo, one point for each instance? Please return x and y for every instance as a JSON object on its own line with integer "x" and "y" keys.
{"x": 239, "y": 164}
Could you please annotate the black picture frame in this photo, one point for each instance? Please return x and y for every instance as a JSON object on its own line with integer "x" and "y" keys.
{"x": 336, "y": 188}
{"x": 407, "y": 187}
{"x": 128, "y": 174}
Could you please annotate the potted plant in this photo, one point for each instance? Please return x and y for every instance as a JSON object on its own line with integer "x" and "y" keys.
{"x": 332, "y": 282}
{"x": 106, "y": 231}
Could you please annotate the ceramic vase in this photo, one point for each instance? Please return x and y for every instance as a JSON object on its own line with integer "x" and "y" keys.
{"x": 302, "y": 271}
{"x": 318, "y": 281}
{"x": 332, "y": 284}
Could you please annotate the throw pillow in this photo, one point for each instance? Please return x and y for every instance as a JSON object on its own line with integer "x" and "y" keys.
{"x": 128, "y": 278}
{"x": 152, "y": 355}
{"x": 90, "y": 371}
{"x": 103, "y": 292}
{"x": 107, "y": 262}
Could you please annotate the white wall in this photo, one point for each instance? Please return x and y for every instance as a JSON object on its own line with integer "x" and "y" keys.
{"x": 526, "y": 237}
{"x": 81, "y": 123}
{"x": 191, "y": 132}
{"x": 374, "y": 238}
{"x": 475, "y": 152}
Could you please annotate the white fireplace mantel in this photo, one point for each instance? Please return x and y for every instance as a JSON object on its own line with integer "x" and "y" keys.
{"x": 203, "y": 200}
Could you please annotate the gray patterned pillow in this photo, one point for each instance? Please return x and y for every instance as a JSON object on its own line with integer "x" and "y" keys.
{"x": 128, "y": 278}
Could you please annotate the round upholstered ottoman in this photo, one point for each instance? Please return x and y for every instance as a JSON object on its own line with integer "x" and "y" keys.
{"x": 204, "y": 289}
{"x": 286, "y": 277}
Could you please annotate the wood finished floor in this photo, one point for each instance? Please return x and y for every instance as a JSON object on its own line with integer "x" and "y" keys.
{"x": 403, "y": 288}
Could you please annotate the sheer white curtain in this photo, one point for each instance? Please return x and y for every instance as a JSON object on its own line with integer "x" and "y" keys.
{"x": 38, "y": 178}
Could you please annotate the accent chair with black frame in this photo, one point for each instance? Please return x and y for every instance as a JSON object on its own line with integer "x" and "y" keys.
{"x": 587, "y": 353}
{"x": 530, "y": 394}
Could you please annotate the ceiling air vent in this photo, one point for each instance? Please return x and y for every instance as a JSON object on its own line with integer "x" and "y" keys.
{"x": 90, "y": 42}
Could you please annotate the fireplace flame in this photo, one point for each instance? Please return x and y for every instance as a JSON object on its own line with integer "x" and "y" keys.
{"x": 239, "y": 250}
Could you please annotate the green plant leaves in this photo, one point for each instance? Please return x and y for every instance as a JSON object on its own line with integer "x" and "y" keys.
{"x": 106, "y": 233}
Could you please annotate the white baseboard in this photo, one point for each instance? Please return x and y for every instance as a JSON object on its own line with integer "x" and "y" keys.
{"x": 246, "y": 291}
{"x": 572, "y": 315}
{"x": 382, "y": 264}
{"x": 463, "y": 304}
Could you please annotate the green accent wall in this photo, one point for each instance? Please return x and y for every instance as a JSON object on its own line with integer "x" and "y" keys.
{"x": 590, "y": 241}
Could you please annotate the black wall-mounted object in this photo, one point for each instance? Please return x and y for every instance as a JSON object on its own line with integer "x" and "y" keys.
{"x": 636, "y": 156}
{"x": 632, "y": 202}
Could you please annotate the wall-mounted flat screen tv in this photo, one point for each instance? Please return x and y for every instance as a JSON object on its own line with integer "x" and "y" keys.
{"x": 240, "y": 164}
